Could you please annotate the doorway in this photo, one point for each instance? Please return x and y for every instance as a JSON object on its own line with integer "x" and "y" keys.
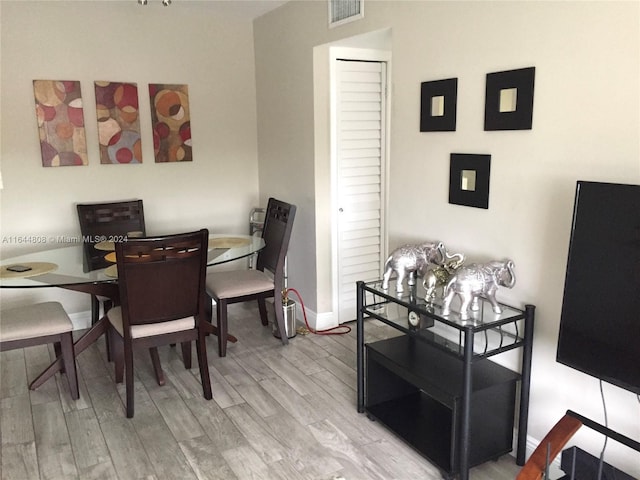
{"x": 359, "y": 157}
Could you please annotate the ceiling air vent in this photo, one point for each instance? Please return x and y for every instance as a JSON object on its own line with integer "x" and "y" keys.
{"x": 344, "y": 11}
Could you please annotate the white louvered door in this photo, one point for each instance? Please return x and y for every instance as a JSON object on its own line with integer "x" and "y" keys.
{"x": 360, "y": 143}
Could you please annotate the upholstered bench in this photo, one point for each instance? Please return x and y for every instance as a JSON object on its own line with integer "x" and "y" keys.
{"x": 40, "y": 324}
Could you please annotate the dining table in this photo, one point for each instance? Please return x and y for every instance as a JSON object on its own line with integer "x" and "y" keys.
{"x": 63, "y": 267}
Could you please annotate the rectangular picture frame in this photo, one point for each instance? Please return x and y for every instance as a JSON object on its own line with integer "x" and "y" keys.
{"x": 60, "y": 117}
{"x": 171, "y": 122}
{"x": 118, "y": 115}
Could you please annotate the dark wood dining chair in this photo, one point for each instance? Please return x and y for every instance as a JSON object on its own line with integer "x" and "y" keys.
{"x": 40, "y": 324}
{"x": 162, "y": 296}
{"x": 267, "y": 280}
{"x": 106, "y": 220}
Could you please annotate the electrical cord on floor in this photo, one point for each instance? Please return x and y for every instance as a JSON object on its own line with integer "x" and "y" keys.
{"x": 606, "y": 424}
{"x": 339, "y": 330}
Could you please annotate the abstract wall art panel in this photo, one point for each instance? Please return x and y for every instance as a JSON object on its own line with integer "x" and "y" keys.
{"x": 118, "y": 122}
{"x": 60, "y": 122}
{"x": 171, "y": 122}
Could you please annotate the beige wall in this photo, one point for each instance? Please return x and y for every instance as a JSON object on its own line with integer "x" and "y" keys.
{"x": 122, "y": 41}
{"x": 586, "y": 125}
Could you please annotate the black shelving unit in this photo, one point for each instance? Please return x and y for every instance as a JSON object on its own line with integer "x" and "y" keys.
{"x": 434, "y": 385}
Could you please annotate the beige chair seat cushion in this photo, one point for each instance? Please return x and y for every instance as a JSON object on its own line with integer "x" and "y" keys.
{"x": 238, "y": 283}
{"x": 151, "y": 329}
{"x": 32, "y": 321}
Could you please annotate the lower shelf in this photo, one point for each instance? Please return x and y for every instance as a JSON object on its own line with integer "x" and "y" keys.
{"x": 415, "y": 390}
{"x": 422, "y": 422}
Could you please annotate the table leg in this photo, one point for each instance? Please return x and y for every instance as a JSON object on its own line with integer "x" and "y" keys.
{"x": 89, "y": 337}
{"x": 99, "y": 329}
{"x": 157, "y": 368}
{"x": 211, "y": 328}
{"x": 86, "y": 340}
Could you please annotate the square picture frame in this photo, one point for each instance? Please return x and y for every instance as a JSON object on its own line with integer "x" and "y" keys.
{"x": 509, "y": 100}
{"x": 438, "y": 105}
{"x": 469, "y": 179}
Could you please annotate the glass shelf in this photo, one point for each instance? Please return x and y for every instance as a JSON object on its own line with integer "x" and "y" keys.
{"x": 493, "y": 332}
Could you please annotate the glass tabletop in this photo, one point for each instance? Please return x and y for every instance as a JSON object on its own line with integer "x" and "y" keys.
{"x": 64, "y": 266}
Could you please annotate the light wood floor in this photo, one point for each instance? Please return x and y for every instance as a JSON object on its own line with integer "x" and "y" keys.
{"x": 277, "y": 413}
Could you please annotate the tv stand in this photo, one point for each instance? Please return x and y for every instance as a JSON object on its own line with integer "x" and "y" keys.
{"x": 432, "y": 382}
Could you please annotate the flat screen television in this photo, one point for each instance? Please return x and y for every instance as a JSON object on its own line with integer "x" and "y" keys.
{"x": 600, "y": 320}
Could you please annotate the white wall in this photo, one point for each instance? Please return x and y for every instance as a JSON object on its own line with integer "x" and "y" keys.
{"x": 586, "y": 125}
{"x": 186, "y": 43}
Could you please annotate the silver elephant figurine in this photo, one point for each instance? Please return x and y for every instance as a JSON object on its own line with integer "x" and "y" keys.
{"x": 409, "y": 261}
{"x": 438, "y": 276}
{"x": 478, "y": 280}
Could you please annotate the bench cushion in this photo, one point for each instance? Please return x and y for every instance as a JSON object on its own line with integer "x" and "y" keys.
{"x": 238, "y": 283}
{"x": 32, "y": 321}
{"x": 150, "y": 329}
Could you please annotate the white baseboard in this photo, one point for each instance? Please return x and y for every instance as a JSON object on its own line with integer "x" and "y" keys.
{"x": 317, "y": 321}
{"x": 323, "y": 321}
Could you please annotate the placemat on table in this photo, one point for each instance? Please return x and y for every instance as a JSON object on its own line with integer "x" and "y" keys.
{"x": 111, "y": 271}
{"x": 228, "y": 242}
{"x": 37, "y": 268}
{"x": 107, "y": 246}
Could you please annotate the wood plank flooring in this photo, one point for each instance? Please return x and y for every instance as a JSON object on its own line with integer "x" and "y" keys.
{"x": 281, "y": 413}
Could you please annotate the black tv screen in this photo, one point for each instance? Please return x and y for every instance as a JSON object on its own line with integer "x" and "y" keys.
{"x": 600, "y": 320}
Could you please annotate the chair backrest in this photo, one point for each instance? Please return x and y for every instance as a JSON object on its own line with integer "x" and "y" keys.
{"x": 162, "y": 278}
{"x": 105, "y": 220}
{"x": 276, "y": 233}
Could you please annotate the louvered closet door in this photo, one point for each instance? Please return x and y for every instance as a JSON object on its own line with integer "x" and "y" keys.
{"x": 360, "y": 154}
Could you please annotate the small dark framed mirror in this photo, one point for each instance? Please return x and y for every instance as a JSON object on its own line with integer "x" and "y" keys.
{"x": 469, "y": 179}
{"x": 438, "y": 101}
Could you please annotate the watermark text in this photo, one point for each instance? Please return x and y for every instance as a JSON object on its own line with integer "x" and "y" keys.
{"x": 42, "y": 239}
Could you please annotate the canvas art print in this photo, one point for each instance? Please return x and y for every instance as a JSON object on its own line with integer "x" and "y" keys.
{"x": 171, "y": 123}
{"x": 118, "y": 122}
{"x": 60, "y": 122}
